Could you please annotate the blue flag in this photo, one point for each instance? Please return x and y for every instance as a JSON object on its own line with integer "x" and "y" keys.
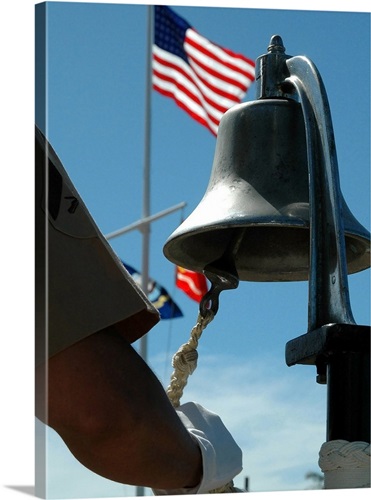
{"x": 158, "y": 296}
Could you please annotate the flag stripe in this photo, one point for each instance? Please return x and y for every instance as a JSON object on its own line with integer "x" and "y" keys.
{"x": 177, "y": 83}
{"x": 197, "y": 101}
{"x": 238, "y": 62}
{"x": 169, "y": 65}
{"x": 179, "y": 91}
{"x": 171, "y": 69}
{"x": 182, "y": 90}
{"x": 185, "y": 108}
{"x": 169, "y": 61}
{"x": 194, "y": 49}
{"x": 182, "y": 96}
{"x": 216, "y": 70}
{"x": 219, "y": 86}
{"x": 203, "y": 78}
{"x": 186, "y": 104}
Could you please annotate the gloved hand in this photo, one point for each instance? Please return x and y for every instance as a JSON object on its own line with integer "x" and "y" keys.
{"x": 221, "y": 456}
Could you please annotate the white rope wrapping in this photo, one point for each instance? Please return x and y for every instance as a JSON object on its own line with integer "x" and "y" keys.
{"x": 184, "y": 364}
{"x": 345, "y": 464}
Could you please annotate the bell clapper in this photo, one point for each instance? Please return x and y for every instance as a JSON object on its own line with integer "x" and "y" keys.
{"x": 219, "y": 282}
{"x": 222, "y": 274}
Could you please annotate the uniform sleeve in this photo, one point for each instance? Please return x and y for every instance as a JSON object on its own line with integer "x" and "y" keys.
{"x": 81, "y": 285}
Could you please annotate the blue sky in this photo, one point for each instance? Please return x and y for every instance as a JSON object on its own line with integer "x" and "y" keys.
{"x": 95, "y": 122}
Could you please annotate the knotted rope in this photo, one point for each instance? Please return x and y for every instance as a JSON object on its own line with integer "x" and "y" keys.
{"x": 345, "y": 464}
{"x": 185, "y": 359}
{"x": 184, "y": 363}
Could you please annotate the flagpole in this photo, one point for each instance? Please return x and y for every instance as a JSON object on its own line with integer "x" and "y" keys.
{"x": 146, "y": 181}
{"x": 146, "y": 169}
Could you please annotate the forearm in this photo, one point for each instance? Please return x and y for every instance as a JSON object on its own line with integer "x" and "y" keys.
{"x": 115, "y": 417}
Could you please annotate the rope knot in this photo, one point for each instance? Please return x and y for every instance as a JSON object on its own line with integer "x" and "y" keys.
{"x": 185, "y": 360}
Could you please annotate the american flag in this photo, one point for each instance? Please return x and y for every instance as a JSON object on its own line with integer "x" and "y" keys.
{"x": 204, "y": 79}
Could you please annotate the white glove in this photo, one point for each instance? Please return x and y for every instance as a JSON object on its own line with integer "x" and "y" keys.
{"x": 221, "y": 456}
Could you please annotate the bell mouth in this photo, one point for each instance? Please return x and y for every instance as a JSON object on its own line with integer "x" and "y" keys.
{"x": 267, "y": 253}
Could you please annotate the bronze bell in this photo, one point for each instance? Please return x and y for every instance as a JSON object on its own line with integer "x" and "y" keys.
{"x": 254, "y": 218}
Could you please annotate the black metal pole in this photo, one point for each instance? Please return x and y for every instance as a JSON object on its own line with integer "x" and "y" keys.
{"x": 341, "y": 353}
{"x": 348, "y": 395}
{"x": 347, "y": 360}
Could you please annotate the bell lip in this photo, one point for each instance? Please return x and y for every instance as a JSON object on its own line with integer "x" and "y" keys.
{"x": 354, "y": 265}
{"x": 183, "y": 232}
